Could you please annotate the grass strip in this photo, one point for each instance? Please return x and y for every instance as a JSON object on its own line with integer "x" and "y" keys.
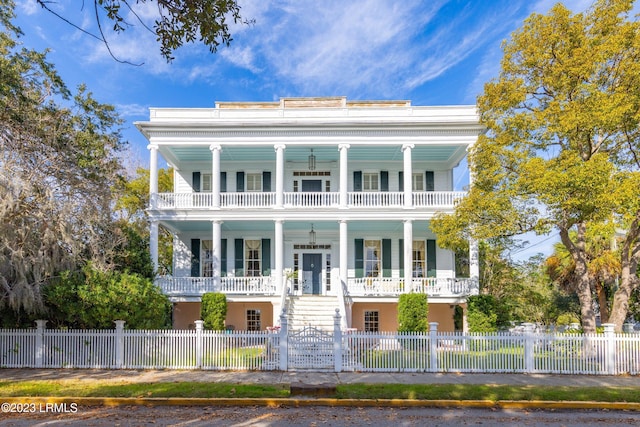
{"x": 71, "y": 388}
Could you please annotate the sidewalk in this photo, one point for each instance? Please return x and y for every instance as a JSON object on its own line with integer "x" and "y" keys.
{"x": 311, "y": 378}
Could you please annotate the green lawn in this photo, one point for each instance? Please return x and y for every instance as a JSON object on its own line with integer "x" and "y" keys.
{"x": 345, "y": 391}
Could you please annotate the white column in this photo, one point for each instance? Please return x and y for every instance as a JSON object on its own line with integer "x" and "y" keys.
{"x": 217, "y": 251}
{"x": 215, "y": 175}
{"x": 474, "y": 262}
{"x": 345, "y": 311}
{"x": 344, "y": 174}
{"x": 279, "y": 234}
{"x": 153, "y": 173}
{"x": 408, "y": 175}
{"x": 153, "y": 245}
{"x": 408, "y": 255}
{"x": 280, "y": 176}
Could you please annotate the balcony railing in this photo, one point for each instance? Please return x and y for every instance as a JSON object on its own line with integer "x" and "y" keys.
{"x": 366, "y": 286}
{"x": 196, "y": 286}
{"x": 387, "y": 286}
{"x": 357, "y": 199}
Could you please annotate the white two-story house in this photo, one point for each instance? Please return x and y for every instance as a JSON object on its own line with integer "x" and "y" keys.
{"x": 309, "y": 205}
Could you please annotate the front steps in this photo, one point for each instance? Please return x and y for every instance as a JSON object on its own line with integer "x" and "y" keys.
{"x": 311, "y": 310}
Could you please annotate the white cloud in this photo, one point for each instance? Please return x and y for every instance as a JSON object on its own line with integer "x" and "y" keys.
{"x": 133, "y": 110}
{"x": 29, "y": 7}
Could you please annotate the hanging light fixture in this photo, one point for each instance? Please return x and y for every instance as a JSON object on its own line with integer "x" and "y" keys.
{"x": 312, "y": 161}
{"x": 312, "y": 236}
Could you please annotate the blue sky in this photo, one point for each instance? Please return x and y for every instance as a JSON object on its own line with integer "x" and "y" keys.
{"x": 434, "y": 52}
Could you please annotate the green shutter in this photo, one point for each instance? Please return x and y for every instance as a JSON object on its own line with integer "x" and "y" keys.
{"x": 223, "y": 258}
{"x": 401, "y": 181}
{"x": 384, "y": 180}
{"x": 223, "y": 182}
{"x": 266, "y": 182}
{"x": 266, "y": 257}
{"x": 239, "y": 182}
{"x": 401, "y": 256}
{"x": 195, "y": 257}
{"x": 357, "y": 180}
{"x": 195, "y": 182}
{"x": 431, "y": 258}
{"x": 239, "y": 258}
{"x": 386, "y": 257}
{"x": 359, "y": 257}
{"x": 429, "y": 181}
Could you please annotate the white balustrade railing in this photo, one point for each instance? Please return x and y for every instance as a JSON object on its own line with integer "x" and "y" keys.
{"x": 247, "y": 200}
{"x": 436, "y": 198}
{"x": 311, "y": 199}
{"x": 390, "y": 286}
{"x": 357, "y": 199}
{"x": 196, "y": 286}
{"x": 375, "y": 199}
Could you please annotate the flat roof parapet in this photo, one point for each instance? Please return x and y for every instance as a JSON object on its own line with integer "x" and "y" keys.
{"x": 314, "y": 102}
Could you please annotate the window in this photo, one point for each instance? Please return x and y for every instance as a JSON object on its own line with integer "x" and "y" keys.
{"x": 295, "y": 186}
{"x": 372, "y": 258}
{"x": 370, "y": 181}
{"x": 417, "y": 183}
{"x": 206, "y": 183}
{"x": 253, "y": 320}
{"x": 418, "y": 266}
{"x": 371, "y": 321}
{"x": 254, "y": 182}
{"x": 252, "y": 257}
{"x": 207, "y": 258}
{"x": 327, "y": 186}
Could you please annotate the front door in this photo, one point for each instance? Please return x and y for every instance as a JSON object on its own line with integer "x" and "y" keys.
{"x": 311, "y": 185}
{"x": 311, "y": 270}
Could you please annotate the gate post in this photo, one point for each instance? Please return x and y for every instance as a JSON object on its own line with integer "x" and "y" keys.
{"x": 337, "y": 342}
{"x": 119, "y": 343}
{"x": 40, "y": 325}
{"x": 199, "y": 329}
{"x": 610, "y": 346}
{"x": 433, "y": 346}
{"x": 283, "y": 345}
{"x": 529, "y": 363}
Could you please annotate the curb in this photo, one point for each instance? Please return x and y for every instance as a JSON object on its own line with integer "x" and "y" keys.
{"x": 276, "y": 402}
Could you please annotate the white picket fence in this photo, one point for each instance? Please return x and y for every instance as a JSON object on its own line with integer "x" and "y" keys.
{"x": 281, "y": 349}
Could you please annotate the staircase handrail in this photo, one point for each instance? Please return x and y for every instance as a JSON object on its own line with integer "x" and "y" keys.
{"x": 284, "y": 292}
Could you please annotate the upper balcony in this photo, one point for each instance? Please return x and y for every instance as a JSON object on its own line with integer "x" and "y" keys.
{"x": 252, "y": 200}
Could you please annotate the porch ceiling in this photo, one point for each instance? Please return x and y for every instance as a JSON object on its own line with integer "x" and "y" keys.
{"x": 436, "y": 153}
{"x": 366, "y": 227}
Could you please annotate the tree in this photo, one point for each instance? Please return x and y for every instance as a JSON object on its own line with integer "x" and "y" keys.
{"x": 214, "y": 310}
{"x": 561, "y": 149}
{"x": 58, "y": 166}
{"x": 175, "y": 22}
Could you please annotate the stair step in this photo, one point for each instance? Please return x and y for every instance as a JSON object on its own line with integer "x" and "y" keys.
{"x": 312, "y": 310}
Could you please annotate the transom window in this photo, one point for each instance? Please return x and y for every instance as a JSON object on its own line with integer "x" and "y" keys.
{"x": 371, "y": 321}
{"x": 252, "y": 257}
{"x": 417, "y": 182}
{"x": 253, "y": 320}
{"x": 372, "y": 258}
{"x": 370, "y": 181}
{"x": 254, "y": 182}
{"x": 418, "y": 258}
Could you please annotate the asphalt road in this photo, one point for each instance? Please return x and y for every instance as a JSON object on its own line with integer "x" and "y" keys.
{"x": 317, "y": 416}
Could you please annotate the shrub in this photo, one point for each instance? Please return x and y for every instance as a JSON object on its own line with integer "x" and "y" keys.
{"x": 412, "y": 313}
{"x": 565, "y": 319}
{"x": 486, "y": 314}
{"x": 214, "y": 310}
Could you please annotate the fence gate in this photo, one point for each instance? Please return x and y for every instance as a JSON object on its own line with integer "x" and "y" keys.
{"x": 311, "y": 348}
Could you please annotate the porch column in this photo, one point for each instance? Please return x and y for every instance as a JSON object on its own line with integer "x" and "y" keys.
{"x": 344, "y": 260}
{"x": 153, "y": 244}
{"x": 408, "y": 176}
{"x": 408, "y": 255}
{"x": 153, "y": 173}
{"x": 279, "y": 234}
{"x": 215, "y": 176}
{"x": 280, "y": 176}
{"x": 344, "y": 174}
{"x": 474, "y": 262}
{"x": 217, "y": 251}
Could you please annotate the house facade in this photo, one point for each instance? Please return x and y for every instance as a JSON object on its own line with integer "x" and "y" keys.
{"x": 310, "y": 206}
